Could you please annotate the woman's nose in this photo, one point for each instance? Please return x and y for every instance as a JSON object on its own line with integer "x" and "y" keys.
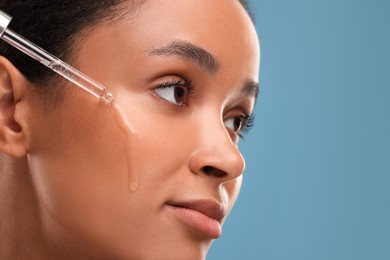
{"x": 217, "y": 155}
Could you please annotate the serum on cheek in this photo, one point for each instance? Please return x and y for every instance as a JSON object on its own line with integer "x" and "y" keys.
{"x": 134, "y": 176}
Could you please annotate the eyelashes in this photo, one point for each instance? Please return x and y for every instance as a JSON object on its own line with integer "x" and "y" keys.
{"x": 178, "y": 92}
{"x": 188, "y": 84}
{"x": 248, "y": 125}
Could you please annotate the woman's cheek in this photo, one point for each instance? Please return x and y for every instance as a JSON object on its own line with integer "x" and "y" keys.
{"x": 233, "y": 189}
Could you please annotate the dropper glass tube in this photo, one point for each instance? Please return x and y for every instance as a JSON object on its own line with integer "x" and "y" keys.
{"x": 52, "y": 62}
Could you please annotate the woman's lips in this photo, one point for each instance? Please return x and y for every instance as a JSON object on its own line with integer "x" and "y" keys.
{"x": 202, "y": 215}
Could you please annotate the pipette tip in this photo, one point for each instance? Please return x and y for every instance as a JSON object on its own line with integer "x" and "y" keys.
{"x": 107, "y": 96}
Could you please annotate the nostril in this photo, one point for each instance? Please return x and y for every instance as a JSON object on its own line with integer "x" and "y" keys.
{"x": 212, "y": 171}
{"x": 208, "y": 169}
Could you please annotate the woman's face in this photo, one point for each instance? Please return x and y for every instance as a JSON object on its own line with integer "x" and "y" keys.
{"x": 184, "y": 75}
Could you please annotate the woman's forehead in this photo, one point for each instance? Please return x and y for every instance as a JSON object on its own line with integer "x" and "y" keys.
{"x": 222, "y": 28}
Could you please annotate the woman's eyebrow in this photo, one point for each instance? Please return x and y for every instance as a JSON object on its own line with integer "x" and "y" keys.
{"x": 190, "y": 52}
{"x": 251, "y": 88}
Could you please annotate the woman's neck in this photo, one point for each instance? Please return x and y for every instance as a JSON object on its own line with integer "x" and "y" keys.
{"x": 20, "y": 232}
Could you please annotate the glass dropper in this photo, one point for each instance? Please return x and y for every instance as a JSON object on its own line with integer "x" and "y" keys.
{"x": 52, "y": 62}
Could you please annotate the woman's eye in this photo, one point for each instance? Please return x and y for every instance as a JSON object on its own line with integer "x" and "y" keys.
{"x": 235, "y": 124}
{"x": 174, "y": 92}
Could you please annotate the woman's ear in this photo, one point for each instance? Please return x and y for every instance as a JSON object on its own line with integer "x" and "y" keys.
{"x": 12, "y": 87}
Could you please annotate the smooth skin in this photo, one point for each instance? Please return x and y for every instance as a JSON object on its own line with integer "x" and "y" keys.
{"x": 65, "y": 169}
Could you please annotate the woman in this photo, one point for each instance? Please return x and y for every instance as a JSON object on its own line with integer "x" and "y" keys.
{"x": 75, "y": 183}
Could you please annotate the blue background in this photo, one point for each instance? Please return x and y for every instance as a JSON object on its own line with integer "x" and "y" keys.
{"x": 317, "y": 184}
